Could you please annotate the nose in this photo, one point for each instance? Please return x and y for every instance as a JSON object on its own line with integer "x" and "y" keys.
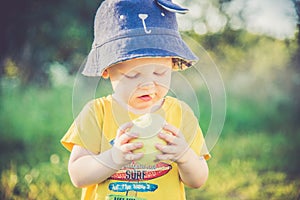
{"x": 147, "y": 85}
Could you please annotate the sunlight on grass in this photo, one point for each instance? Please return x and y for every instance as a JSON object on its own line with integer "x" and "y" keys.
{"x": 46, "y": 180}
{"x": 246, "y": 163}
{"x": 242, "y": 168}
{"x": 234, "y": 174}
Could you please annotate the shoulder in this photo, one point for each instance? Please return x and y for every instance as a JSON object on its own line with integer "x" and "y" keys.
{"x": 99, "y": 102}
{"x": 96, "y": 106}
{"x": 173, "y": 102}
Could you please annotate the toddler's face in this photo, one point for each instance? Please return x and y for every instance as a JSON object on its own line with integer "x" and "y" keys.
{"x": 141, "y": 83}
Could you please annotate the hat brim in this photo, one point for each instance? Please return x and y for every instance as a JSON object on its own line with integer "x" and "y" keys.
{"x": 141, "y": 45}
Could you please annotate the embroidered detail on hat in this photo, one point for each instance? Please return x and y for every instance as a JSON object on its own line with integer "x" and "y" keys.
{"x": 172, "y": 7}
{"x": 143, "y": 17}
{"x": 162, "y": 14}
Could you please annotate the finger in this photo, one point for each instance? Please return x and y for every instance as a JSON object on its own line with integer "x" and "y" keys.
{"x": 124, "y": 128}
{"x": 129, "y": 147}
{"x": 165, "y": 157}
{"x": 133, "y": 156}
{"x": 170, "y": 139}
{"x": 166, "y": 149}
{"x": 126, "y": 137}
{"x": 172, "y": 129}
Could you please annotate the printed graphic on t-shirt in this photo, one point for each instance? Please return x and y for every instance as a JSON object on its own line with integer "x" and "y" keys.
{"x": 135, "y": 178}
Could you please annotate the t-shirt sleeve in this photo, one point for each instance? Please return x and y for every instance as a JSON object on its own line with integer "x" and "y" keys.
{"x": 86, "y": 129}
{"x": 193, "y": 133}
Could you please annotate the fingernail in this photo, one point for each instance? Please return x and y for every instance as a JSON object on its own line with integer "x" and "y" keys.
{"x": 132, "y": 134}
{"x": 139, "y": 144}
{"x": 161, "y": 134}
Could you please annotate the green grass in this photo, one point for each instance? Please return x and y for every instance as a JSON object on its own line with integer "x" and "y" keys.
{"x": 250, "y": 161}
{"x": 250, "y": 166}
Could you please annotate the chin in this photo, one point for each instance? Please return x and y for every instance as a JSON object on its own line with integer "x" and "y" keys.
{"x": 142, "y": 107}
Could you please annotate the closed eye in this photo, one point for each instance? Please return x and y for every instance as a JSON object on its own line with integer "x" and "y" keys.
{"x": 160, "y": 73}
{"x": 131, "y": 76}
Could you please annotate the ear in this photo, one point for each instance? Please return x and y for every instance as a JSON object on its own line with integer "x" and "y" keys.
{"x": 105, "y": 74}
{"x": 172, "y": 7}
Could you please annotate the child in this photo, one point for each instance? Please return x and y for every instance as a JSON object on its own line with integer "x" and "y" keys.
{"x": 136, "y": 46}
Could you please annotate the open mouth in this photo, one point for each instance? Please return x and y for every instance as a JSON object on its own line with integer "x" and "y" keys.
{"x": 146, "y": 97}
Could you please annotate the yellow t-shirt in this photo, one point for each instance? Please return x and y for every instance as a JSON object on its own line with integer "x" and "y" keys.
{"x": 95, "y": 129}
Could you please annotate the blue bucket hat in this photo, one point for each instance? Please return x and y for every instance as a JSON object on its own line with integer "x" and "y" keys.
{"x": 128, "y": 29}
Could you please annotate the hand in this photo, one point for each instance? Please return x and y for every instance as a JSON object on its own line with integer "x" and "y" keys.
{"x": 122, "y": 150}
{"x": 176, "y": 145}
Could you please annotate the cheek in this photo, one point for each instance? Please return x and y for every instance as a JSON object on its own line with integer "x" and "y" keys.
{"x": 163, "y": 87}
{"x": 161, "y": 92}
{"x": 124, "y": 87}
{"x": 164, "y": 82}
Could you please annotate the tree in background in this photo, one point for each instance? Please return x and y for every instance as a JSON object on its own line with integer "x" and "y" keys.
{"x": 295, "y": 63}
{"x": 35, "y": 33}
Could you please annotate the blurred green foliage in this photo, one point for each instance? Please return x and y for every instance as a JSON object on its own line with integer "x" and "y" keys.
{"x": 247, "y": 163}
{"x": 255, "y": 157}
{"x": 36, "y": 33}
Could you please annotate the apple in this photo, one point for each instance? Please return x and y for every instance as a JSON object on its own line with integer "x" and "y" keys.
{"x": 148, "y": 126}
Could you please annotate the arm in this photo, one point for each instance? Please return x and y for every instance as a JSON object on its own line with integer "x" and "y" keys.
{"x": 193, "y": 170}
{"x": 86, "y": 168}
